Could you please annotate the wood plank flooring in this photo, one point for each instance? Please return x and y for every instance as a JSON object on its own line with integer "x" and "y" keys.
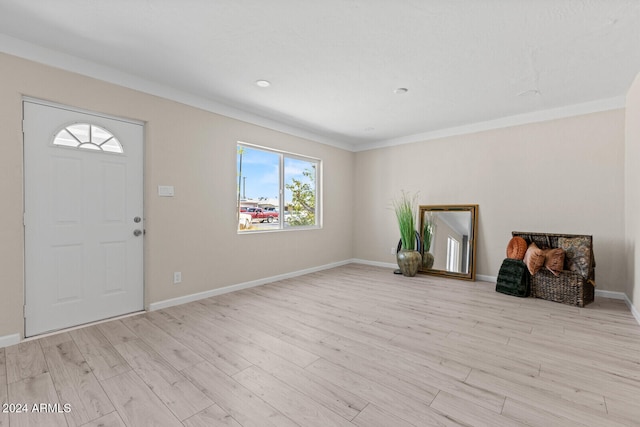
{"x": 351, "y": 346}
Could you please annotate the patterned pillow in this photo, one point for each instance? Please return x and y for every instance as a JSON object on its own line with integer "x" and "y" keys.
{"x": 534, "y": 258}
{"x": 577, "y": 254}
{"x": 554, "y": 260}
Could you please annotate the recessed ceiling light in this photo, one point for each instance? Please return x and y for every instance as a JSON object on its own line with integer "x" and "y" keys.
{"x": 401, "y": 90}
{"x": 263, "y": 83}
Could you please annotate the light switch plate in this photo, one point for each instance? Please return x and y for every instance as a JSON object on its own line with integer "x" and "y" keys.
{"x": 165, "y": 190}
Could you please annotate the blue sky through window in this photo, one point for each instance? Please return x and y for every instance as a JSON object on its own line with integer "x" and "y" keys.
{"x": 260, "y": 175}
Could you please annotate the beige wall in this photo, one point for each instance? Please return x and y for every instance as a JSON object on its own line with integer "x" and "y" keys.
{"x": 632, "y": 187}
{"x": 563, "y": 176}
{"x": 194, "y": 150}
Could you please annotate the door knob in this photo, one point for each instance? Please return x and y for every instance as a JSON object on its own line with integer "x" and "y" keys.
{"x": 137, "y": 232}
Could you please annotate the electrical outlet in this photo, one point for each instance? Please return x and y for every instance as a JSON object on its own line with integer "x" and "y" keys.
{"x": 393, "y": 250}
{"x": 177, "y": 277}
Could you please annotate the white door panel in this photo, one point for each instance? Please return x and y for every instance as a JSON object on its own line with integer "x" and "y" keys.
{"x": 82, "y": 260}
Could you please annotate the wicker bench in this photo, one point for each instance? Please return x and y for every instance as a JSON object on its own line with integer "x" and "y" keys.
{"x": 569, "y": 287}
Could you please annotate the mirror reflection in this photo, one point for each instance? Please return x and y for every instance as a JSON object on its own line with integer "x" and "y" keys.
{"x": 448, "y": 235}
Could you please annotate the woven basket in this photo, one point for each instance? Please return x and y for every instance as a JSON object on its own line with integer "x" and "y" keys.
{"x": 568, "y": 287}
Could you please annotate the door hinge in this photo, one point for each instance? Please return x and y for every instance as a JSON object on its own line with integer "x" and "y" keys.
{"x": 24, "y": 311}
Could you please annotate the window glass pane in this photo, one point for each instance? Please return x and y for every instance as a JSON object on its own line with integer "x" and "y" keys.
{"x": 300, "y": 192}
{"x": 275, "y": 190}
{"x": 99, "y": 135}
{"x": 112, "y": 146}
{"x": 453, "y": 249}
{"x": 87, "y": 136}
{"x": 258, "y": 189}
{"x": 80, "y": 131}
{"x": 64, "y": 138}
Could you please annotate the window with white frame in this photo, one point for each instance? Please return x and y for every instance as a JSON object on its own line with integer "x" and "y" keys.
{"x": 453, "y": 254}
{"x": 276, "y": 190}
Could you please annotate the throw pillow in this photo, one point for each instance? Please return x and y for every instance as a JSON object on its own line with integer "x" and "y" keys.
{"x": 554, "y": 260}
{"x": 577, "y": 254}
{"x": 516, "y": 248}
{"x": 534, "y": 258}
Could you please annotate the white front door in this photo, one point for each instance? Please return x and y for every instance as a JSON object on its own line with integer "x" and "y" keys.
{"x": 83, "y": 203}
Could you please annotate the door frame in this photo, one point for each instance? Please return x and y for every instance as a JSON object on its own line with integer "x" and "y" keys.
{"x": 79, "y": 110}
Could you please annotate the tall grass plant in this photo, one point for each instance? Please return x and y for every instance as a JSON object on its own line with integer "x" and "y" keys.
{"x": 405, "y": 208}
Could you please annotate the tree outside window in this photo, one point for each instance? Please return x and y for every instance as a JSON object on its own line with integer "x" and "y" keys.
{"x": 276, "y": 190}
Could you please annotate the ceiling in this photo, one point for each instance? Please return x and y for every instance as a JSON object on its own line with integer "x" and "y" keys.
{"x": 334, "y": 65}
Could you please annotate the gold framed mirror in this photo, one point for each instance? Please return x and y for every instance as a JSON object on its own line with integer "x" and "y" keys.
{"x": 449, "y": 235}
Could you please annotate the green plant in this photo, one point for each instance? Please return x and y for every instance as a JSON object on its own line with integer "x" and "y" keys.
{"x": 405, "y": 208}
{"x": 427, "y": 231}
{"x": 303, "y": 199}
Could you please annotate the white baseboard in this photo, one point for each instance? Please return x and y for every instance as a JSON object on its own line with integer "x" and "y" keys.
{"x": 246, "y": 285}
{"x": 9, "y": 340}
{"x": 611, "y": 294}
{"x": 375, "y": 263}
{"x": 624, "y": 297}
{"x": 479, "y": 277}
{"x": 634, "y": 310}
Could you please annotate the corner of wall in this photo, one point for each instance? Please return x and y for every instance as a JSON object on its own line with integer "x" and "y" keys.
{"x": 632, "y": 197}
{"x": 634, "y": 311}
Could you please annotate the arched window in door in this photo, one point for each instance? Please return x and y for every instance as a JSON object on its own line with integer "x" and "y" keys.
{"x": 89, "y": 137}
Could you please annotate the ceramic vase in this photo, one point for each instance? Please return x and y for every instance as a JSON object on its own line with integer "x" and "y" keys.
{"x": 409, "y": 262}
{"x": 427, "y": 260}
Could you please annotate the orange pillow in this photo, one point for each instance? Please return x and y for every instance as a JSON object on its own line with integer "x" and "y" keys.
{"x": 554, "y": 260}
{"x": 516, "y": 248}
{"x": 534, "y": 258}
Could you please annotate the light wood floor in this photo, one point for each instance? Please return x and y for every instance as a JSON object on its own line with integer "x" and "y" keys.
{"x": 351, "y": 346}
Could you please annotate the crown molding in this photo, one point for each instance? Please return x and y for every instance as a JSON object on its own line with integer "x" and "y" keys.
{"x": 504, "y": 122}
{"x": 50, "y": 57}
{"x": 74, "y": 64}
